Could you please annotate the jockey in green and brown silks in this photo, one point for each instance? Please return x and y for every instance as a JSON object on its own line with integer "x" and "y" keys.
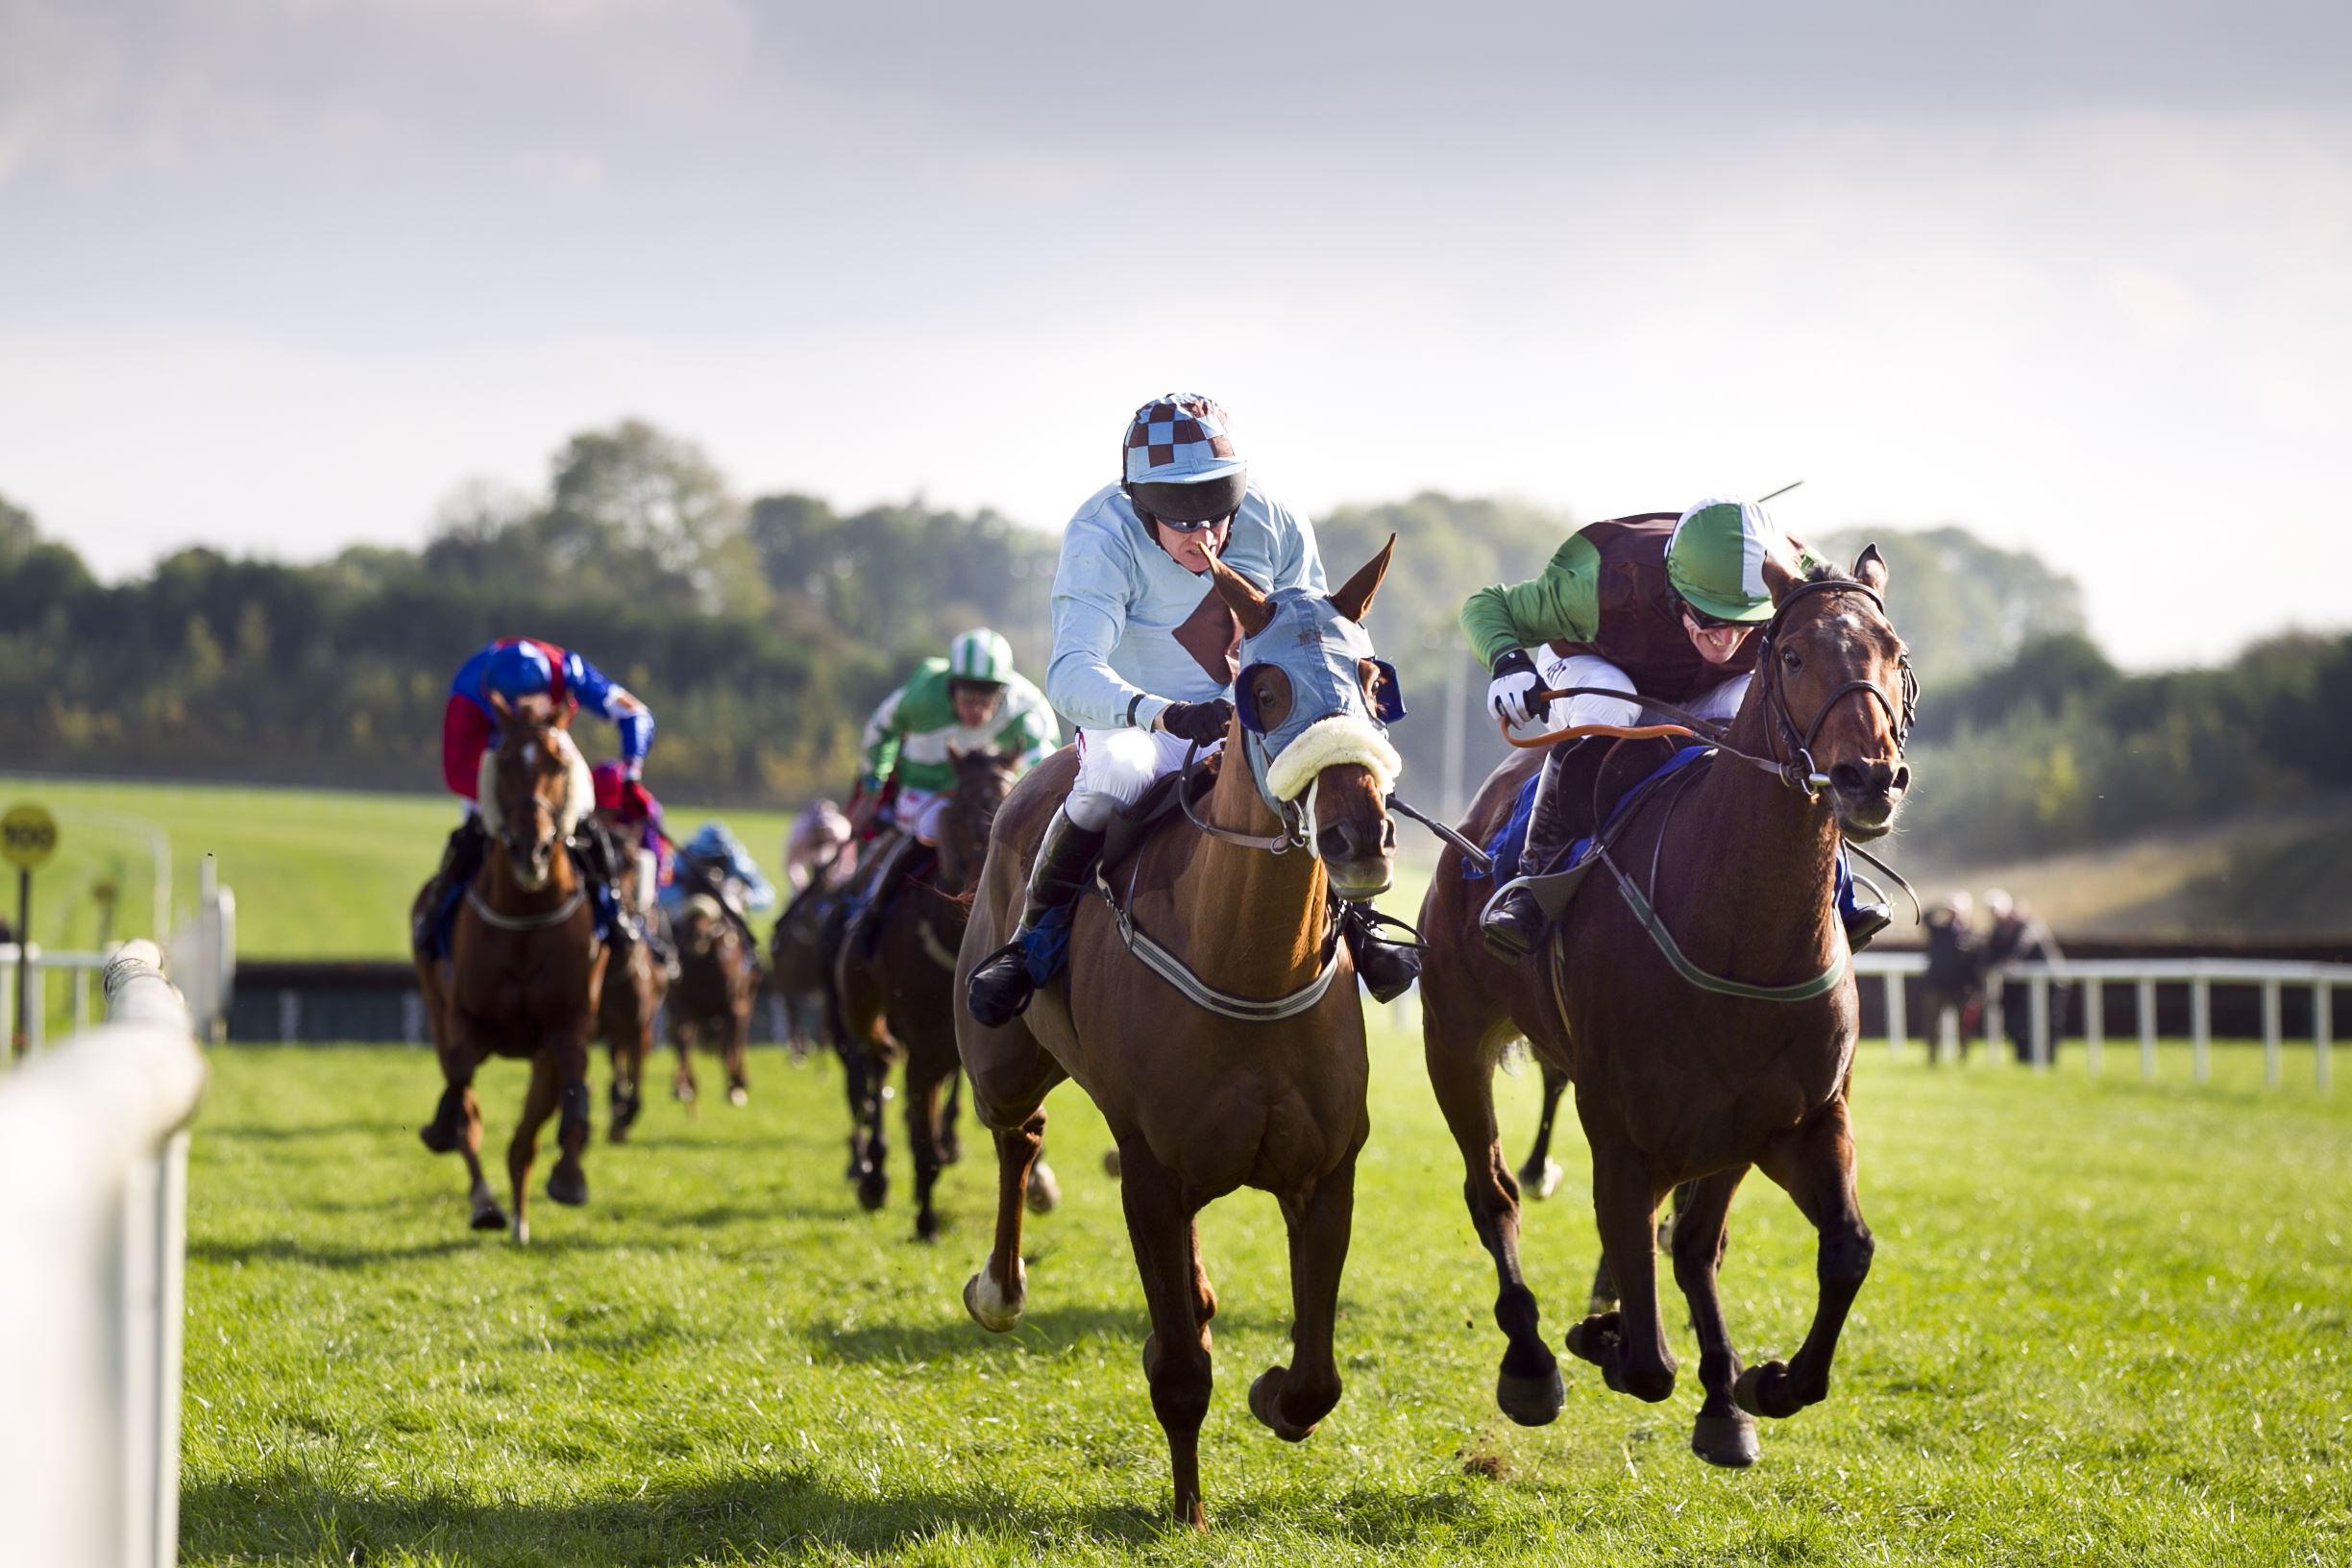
{"x": 971, "y": 700}
{"x": 1658, "y": 605}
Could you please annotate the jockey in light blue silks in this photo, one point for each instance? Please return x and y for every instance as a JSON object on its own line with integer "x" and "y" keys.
{"x": 714, "y": 862}
{"x": 1144, "y": 656}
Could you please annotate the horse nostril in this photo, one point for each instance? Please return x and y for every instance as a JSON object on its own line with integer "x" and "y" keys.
{"x": 1387, "y": 834}
{"x": 1850, "y": 777}
{"x": 1902, "y": 779}
{"x": 1336, "y": 843}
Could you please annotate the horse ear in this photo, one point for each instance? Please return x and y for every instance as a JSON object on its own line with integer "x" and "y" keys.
{"x": 1778, "y": 577}
{"x": 956, "y": 754}
{"x": 502, "y": 707}
{"x": 1355, "y": 597}
{"x": 1010, "y": 755}
{"x": 1869, "y": 569}
{"x": 1244, "y": 597}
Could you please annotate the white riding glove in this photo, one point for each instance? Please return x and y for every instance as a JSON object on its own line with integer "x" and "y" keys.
{"x": 1508, "y": 696}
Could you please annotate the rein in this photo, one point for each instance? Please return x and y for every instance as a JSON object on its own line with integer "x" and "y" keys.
{"x": 1294, "y": 820}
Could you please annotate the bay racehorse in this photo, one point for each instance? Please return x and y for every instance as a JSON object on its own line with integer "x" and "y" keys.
{"x": 1714, "y": 1036}
{"x": 1214, "y": 1017}
{"x": 525, "y": 969}
{"x": 711, "y": 1004}
{"x": 900, "y": 1000}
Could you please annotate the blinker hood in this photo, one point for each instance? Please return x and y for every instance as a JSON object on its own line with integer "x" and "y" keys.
{"x": 1318, "y": 650}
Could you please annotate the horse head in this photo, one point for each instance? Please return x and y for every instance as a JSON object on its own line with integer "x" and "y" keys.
{"x": 1838, "y": 689}
{"x": 534, "y": 790}
{"x": 1314, "y": 705}
{"x": 983, "y": 778}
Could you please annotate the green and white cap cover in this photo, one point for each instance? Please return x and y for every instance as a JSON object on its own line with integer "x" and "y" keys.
{"x": 1715, "y": 560}
{"x": 980, "y": 654}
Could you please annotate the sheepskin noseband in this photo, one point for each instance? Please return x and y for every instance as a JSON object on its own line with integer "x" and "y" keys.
{"x": 1329, "y": 743}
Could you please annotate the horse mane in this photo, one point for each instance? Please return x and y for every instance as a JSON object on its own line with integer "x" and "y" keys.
{"x": 1831, "y": 572}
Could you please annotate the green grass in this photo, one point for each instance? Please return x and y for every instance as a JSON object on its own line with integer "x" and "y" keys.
{"x": 2108, "y": 1324}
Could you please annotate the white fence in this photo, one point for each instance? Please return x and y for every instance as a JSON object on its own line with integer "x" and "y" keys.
{"x": 203, "y": 960}
{"x": 2200, "y": 975}
{"x": 94, "y": 1197}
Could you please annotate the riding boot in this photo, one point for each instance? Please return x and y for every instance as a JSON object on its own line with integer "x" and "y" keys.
{"x": 608, "y": 861}
{"x": 1000, "y": 988}
{"x": 1387, "y": 967}
{"x": 1514, "y": 924}
{"x": 1863, "y": 920}
{"x": 460, "y": 859}
{"x": 865, "y": 927}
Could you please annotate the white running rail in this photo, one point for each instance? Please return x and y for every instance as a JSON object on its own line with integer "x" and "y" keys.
{"x": 2271, "y": 976}
{"x": 94, "y": 1201}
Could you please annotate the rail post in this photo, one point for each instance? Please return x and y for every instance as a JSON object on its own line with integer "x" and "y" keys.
{"x": 1898, "y": 1025}
{"x": 2094, "y": 1021}
{"x": 2146, "y": 997}
{"x": 2200, "y": 1026}
{"x": 2323, "y": 1024}
{"x": 2037, "y": 1018}
{"x": 2271, "y": 1033}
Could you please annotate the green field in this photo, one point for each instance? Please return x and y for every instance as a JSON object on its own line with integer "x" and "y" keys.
{"x": 319, "y": 873}
{"x": 2108, "y": 1324}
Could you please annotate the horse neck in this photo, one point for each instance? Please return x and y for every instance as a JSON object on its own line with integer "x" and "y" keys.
{"x": 1752, "y": 859}
{"x": 1252, "y": 921}
{"x": 509, "y": 896}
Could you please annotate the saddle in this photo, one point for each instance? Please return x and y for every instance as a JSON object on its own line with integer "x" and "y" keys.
{"x": 1598, "y": 779}
{"x": 1133, "y": 825}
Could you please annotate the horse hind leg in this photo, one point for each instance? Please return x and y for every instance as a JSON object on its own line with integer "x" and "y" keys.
{"x": 1629, "y": 1345}
{"x": 1292, "y": 1400}
{"x": 738, "y": 1056}
{"x": 1528, "y": 1386}
{"x": 1176, "y": 1359}
{"x": 1540, "y": 1177}
{"x": 1722, "y": 1434}
{"x": 923, "y": 1110}
{"x": 1814, "y": 1163}
{"x": 539, "y": 1103}
{"x": 486, "y": 1215}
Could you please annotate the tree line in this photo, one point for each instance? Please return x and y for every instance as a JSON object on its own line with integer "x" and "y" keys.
{"x": 763, "y": 631}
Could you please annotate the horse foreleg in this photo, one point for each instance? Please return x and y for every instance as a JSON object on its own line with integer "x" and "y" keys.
{"x": 1527, "y": 1387}
{"x": 1176, "y": 1352}
{"x": 1629, "y": 1344}
{"x": 539, "y": 1103}
{"x": 1540, "y": 1176}
{"x": 950, "y": 1145}
{"x": 922, "y": 1100}
{"x": 996, "y": 1296}
{"x": 738, "y": 1054}
{"x": 1814, "y": 1162}
{"x": 682, "y": 1086}
{"x": 1290, "y": 1400}
{"x": 568, "y": 1182}
{"x": 1724, "y": 1433}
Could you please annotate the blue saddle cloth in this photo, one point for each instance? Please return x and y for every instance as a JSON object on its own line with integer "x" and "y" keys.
{"x": 1511, "y": 837}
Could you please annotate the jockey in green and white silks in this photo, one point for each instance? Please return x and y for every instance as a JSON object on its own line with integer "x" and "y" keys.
{"x": 1144, "y": 651}
{"x": 971, "y": 700}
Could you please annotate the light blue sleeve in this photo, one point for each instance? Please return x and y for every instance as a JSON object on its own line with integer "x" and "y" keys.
{"x": 1302, "y": 561}
{"x": 1090, "y": 612}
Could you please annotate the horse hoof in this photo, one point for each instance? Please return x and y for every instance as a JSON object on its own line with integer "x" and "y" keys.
{"x": 1540, "y": 1182}
{"x": 569, "y": 1188}
{"x": 994, "y": 1310}
{"x": 1764, "y": 1390}
{"x": 1110, "y": 1163}
{"x": 1727, "y": 1441}
{"x": 521, "y": 1233}
{"x": 1266, "y": 1404}
{"x": 872, "y": 1190}
{"x": 926, "y": 1226}
{"x": 1045, "y": 1192}
{"x": 739, "y": 1096}
{"x": 1531, "y": 1402}
{"x": 1594, "y": 1339}
{"x": 488, "y": 1217}
{"x": 683, "y": 1094}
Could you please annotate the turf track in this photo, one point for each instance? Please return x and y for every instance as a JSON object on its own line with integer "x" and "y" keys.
{"x": 2108, "y": 1324}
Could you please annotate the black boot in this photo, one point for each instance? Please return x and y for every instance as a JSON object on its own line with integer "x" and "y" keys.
{"x": 1387, "y": 967}
{"x": 1863, "y": 923}
{"x": 1000, "y": 988}
{"x": 1514, "y": 924}
{"x": 606, "y": 858}
{"x": 460, "y": 859}
{"x": 865, "y": 926}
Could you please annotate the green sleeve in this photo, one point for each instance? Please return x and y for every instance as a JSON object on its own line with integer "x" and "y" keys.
{"x": 1564, "y": 601}
{"x": 882, "y": 737}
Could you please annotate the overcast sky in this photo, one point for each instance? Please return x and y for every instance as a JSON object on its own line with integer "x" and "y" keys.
{"x": 279, "y": 275}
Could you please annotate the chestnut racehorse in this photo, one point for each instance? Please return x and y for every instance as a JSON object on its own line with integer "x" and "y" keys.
{"x": 525, "y": 969}
{"x": 1223, "y": 1065}
{"x": 1693, "y": 1070}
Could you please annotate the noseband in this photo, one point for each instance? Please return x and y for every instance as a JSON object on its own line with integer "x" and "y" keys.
{"x": 1798, "y": 770}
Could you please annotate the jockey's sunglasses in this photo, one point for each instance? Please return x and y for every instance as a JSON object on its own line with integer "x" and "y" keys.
{"x": 1704, "y": 621}
{"x": 1173, "y": 526}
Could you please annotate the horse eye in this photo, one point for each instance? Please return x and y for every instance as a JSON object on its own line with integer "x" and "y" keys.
{"x": 1791, "y": 660}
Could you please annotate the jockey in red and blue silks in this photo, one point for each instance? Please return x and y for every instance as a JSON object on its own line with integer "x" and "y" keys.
{"x": 519, "y": 668}
{"x": 513, "y": 670}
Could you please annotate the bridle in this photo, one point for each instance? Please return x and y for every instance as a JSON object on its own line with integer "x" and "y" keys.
{"x": 1793, "y": 750}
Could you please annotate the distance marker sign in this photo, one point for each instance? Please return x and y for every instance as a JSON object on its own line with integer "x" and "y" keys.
{"x": 27, "y": 836}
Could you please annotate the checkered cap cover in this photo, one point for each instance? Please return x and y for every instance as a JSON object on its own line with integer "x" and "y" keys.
{"x": 1178, "y": 439}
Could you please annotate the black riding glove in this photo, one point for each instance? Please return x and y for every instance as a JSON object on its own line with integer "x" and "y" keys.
{"x": 1203, "y": 724}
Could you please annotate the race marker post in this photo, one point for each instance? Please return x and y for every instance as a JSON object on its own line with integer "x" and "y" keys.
{"x": 28, "y": 838}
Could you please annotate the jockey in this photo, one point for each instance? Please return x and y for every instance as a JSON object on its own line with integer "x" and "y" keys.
{"x": 714, "y": 862}
{"x": 1144, "y": 652}
{"x": 517, "y": 670}
{"x": 971, "y": 700}
{"x": 819, "y": 851}
{"x": 1651, "y": 605}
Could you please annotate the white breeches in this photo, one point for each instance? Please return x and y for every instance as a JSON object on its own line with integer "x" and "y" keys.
{"x": 919, "y": 812}
{"x": 1591, "y": 669}
{"x": 1116, "y": 766}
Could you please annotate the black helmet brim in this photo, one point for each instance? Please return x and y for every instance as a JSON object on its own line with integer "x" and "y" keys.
{"x": 1205, "y": 501}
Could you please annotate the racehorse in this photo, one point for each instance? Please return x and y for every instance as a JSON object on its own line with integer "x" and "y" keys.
{"x": 711, "y": 1003}
{"x": 1715, "y": 1035}
{"x": 525, "y": 969}
{"x": 630, "y": 1001}
{"x": 901, "y": 998}
{"x": 1232, "y": 1053}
